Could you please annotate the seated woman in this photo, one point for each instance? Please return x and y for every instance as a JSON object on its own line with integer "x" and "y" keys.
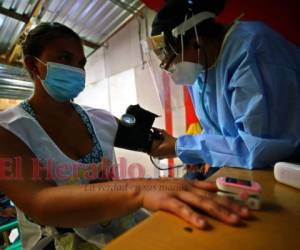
{"x": 7, "y": 210}
{"x": 7, "y": 215}
{"x": 56, "y": 202}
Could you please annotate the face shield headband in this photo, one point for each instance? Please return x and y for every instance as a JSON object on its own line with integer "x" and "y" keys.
{"x": 180, "y": 31}
{"x": 163, "y": 49}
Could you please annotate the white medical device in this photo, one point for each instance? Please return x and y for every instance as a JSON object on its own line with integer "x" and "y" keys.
{"x": 287, "y": 173}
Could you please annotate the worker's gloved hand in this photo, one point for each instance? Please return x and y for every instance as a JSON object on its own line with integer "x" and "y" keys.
{"x": 202, "y": 168}
{"x": 205, "y": 168}
{"x": 164, "y": 147}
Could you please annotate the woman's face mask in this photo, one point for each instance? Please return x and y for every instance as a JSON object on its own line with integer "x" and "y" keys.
{"x": 63, "y": 82}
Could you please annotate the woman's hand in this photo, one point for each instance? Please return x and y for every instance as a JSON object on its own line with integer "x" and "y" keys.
{"x": 165, "y": 147}
{"x": 179, "y": 197}
{"x": 9, "y": 212}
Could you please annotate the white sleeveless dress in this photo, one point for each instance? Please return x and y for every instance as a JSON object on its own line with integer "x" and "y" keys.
{"x": 25, "y": 127}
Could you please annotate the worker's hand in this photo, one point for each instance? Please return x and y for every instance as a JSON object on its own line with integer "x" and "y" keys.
{"x": 180, "y": 196}
{"x": 202, "y": 168}
{"x": 205, "y": 168}
{"x": 164, "y": 147}
{"x": 9, "y": 212}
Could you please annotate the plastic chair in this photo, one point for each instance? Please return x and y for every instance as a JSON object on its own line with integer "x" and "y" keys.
{"x": 17, "y": 244}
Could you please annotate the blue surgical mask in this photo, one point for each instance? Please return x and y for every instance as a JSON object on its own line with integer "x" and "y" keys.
{"x": 63, "y": 82}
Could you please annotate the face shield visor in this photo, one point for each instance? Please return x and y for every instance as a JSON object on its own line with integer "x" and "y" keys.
{"x": 160, "y": 56}
{"x": 164, "y": 50}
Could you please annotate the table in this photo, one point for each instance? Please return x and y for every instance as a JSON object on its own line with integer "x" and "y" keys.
{"x": 275, "y": 226}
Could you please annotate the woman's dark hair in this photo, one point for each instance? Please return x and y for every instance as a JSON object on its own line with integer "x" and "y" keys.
{"x": 39, "y": 37}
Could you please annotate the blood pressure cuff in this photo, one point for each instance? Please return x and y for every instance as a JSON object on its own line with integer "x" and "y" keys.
{"x": 139, "y": 135}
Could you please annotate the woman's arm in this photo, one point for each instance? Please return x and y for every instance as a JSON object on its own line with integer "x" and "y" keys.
{"x": 64, "y": 206}
{"x": 81, "y": 205}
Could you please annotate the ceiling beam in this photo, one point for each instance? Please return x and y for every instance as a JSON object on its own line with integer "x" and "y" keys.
{"x": 128, "y": 8}
{"x": 90, "y": 44}
{"x": 14, "y": 15}
{"x": 130, "y": 18}
{"x": 16, "y": 48}
{"x": 14, "y": 63}
{"x": 10, "y": 57}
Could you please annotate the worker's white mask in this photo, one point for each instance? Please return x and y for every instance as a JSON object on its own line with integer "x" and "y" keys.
{"x": 185, "y": 73}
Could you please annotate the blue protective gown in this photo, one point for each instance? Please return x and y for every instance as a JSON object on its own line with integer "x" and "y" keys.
{"x": 253, "y": 97}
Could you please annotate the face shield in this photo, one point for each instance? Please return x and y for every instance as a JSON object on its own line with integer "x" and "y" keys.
{"x": 160, "y": 55}
{"x": 164, "y": 50}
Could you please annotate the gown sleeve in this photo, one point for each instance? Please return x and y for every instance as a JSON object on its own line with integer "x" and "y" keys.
{"x": 265, "y": 132}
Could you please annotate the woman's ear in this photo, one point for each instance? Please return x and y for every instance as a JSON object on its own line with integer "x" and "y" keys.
{"x": 30, "y": 64}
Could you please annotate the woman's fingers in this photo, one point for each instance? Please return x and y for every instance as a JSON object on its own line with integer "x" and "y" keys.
{"x": 184, "y": 211}
{"x": 181, "y": 196}
{"x": 201, "y": 186}
{"x": 241, "y": 210}
{"x": 228, "y": 203}
{"x": 210, "y": 206}
{"x": 205, "y": 185}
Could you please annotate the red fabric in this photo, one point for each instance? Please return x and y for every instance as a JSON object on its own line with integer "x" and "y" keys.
{"x": 168, "y": 114}
{"x": 154, "y": 4}
{"x": 190, "y": 115}
{"x": 282, "y": 16}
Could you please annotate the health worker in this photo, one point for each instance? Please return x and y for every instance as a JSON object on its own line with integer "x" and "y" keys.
{"x": 244, "y": 81}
